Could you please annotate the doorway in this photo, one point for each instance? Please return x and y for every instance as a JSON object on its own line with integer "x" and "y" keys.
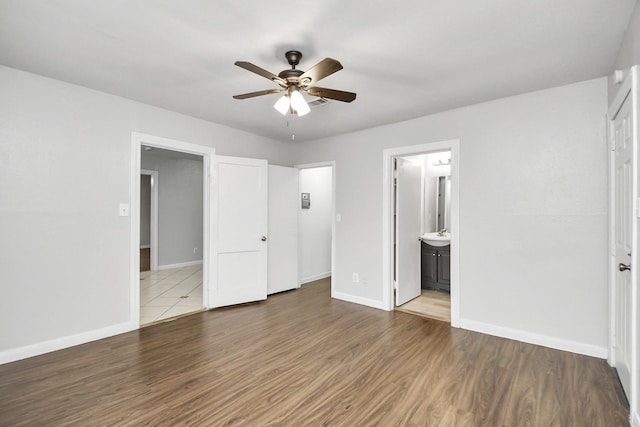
{"x": 422, "y": 200}
{"x": 389, "y": 223}
{"x": 173, "y": 286}
{"x": 180, "y": 278}
{"x": 316, "y": 221}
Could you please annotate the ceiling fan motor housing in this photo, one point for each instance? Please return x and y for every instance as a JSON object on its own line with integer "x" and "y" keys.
{"x": 287, "y": 74}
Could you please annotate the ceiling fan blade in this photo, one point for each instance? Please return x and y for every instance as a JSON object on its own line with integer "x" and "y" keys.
{"x": 260, "y": 71}
{"x": 338, "y": 95}
{"x": 322, "y": 69}
{"x": 259, "y": 93}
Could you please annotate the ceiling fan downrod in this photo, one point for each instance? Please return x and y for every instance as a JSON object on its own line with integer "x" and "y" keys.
{"x": 293, "y": 58}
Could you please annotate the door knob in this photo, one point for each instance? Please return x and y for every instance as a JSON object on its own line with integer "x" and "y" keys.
{"x": 623, "y": 267}
{"x": 264, "y": 238}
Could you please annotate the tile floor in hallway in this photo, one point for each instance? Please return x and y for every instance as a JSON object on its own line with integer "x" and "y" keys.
{"x": 169, "y": 293}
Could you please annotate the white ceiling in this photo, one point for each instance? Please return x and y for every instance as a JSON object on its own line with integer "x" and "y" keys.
{"x": 404, "y": 59}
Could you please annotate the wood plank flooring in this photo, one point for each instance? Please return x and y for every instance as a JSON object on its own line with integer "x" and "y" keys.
{"x": 430, "y": 304}
{"x": 302, "y": 359}
{"x": 145, "y": 259}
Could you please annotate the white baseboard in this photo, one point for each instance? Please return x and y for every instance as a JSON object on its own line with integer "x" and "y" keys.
{"x": 315, "y": 277}
{"x": 358, "y": 300}
{"x": 179, "y": 265}
{"x": 19, "y": 353}
{"x": 538, "y": 339}
{"x": 145, "y": 246}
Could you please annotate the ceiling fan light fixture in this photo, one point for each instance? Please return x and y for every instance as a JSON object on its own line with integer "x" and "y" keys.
{"x": 298, "y": 104}
{"x": 282, "y": 105}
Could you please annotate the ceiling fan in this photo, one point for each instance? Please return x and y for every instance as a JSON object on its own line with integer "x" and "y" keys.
{"x": 292, "y": 82}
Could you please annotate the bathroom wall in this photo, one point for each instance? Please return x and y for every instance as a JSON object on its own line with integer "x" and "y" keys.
{"x": 431, "y": 172}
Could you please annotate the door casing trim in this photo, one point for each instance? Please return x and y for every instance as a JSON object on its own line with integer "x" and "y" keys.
{"x": 387, "y": 219}
{"x": 207, "y": 153}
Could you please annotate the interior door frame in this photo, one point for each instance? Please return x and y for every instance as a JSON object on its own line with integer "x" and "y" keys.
{"x": 207, "y": 153}
{"x": 387, "y": 219}
{"x": 628, "y": 88}
{"x": 332, "y": 164}
{"x": 153, "y": 222}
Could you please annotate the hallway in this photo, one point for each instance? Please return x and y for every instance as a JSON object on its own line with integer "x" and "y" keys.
{"x": 169, "y": 293}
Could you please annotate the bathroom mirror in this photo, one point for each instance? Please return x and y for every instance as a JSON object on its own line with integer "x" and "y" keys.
{"x": 443, "y": 196}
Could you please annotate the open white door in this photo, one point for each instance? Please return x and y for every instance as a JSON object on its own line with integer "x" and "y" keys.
{"x": 282, "y": 268}
{"x": 240, "y": 231}
{"x": 622, "y": 138}
{"x": 408, "y": 214}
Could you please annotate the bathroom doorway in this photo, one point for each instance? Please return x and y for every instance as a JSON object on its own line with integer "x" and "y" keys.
{"x": 420, "y": 230}
{"x": 422, "y": 184}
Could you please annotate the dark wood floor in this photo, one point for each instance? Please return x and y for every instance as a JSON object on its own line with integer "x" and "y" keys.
{"x": 302, "y": 359}
{"x": 145, "y": 259}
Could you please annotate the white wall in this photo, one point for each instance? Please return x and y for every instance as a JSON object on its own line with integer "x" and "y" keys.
{"x": 533, "y": 212}
{"x": 629, "y": 53}
{"x": 180, "y": 207}
{"x": 64, "y": 169}
{"x": 315, "y": 224}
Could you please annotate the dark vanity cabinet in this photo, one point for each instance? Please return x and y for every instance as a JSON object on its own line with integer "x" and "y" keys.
{"x": 436, "y": 267}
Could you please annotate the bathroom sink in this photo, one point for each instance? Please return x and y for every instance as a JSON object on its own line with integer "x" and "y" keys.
{"x": 434, "y": 239}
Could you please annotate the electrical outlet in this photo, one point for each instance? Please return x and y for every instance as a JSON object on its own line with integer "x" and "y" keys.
{"x": 355, "y": 278}
{"x": 195, "y": 250}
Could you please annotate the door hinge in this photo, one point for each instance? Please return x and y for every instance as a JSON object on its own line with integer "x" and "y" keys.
{"x": 395, "y": 285}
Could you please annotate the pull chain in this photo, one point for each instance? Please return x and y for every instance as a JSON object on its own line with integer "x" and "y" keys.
{"x": 290, "y": 117}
